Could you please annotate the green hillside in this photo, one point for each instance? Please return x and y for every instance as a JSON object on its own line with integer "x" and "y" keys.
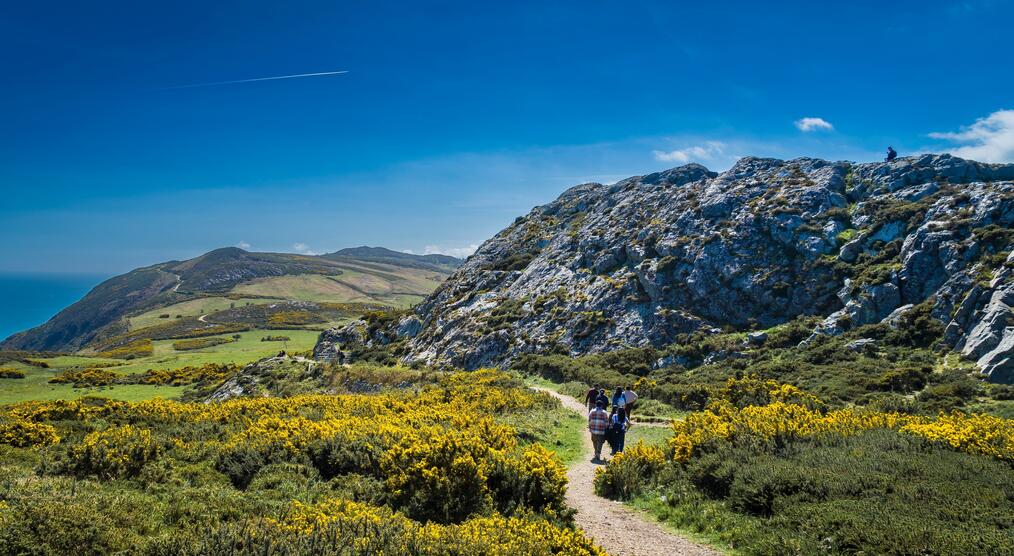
{"x": 179, "y": 299}
{"x": 246, "y": 347}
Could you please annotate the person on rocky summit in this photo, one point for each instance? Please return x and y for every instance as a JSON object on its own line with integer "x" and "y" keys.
{"x": 598, "y": 423}
{"x": 891, "y": 154}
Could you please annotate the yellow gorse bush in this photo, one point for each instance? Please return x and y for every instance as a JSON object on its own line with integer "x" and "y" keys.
{"x": 64, "y": 410}
{"x": 209, "y": 372}
{"x": 86, "y": 377}
{"x": 980, "y": 434}
{"x": 439, "y": 452}
{"x": 306, "y": 518}
{"x": 23, "y": 434}
{"x": 753, "y": 390}
{"x": 493, "y": 535}
{"x": 624, "y": 476}
{"x": 974, "y": 434}
{"x": 116, "y": 452}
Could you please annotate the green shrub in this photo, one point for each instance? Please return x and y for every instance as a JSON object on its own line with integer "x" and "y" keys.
{"x": 338, "y": 456}
{"x": 199, "y": 343}
{"x": 59, "y": 526}
{"x": 905, "y": 379}
{"x": 286, "y": 481}
{"x": 879, "y": 492}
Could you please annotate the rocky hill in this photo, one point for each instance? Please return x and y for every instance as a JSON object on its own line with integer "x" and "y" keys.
{"x": 649, "y": 258}
{"x": 104, "y": 311}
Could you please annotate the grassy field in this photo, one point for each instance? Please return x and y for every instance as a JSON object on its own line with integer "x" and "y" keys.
{"x": 353, "y": 286}
{"x": 191, "y": 308}
{"x": 559, "y": 430}
{"x": 657, "y": 436}
{"x": 246, "y": 349}
{"x": 36, "y": 386}
{"x": 305, "y": 287}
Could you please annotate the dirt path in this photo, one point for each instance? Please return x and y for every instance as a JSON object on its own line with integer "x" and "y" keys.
{"x": 620, "y": 530}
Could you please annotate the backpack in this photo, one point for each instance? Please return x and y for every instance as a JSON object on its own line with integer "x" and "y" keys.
{"x": 616, "y": 425}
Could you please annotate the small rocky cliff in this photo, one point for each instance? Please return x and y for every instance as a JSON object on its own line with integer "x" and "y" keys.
{"x": 643, "y": 260}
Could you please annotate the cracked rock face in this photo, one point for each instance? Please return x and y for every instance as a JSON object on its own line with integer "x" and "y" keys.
{"x": 638, "y": 262}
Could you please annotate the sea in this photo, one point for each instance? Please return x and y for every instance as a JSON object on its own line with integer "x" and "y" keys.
{"x": 28, "y": 300}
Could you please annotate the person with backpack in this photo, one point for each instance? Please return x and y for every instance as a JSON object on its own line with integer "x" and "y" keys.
{"x": 603, "y": 399}
{"x": 598, "y": 425}
{"x": 591, "y": 396}
{"x": 630, "y": 397}
{"x": 618, "y": 399}
{"x": 611, "y": 433}
{"x": 891, "y": 154}
{"x": 619, "y": 424}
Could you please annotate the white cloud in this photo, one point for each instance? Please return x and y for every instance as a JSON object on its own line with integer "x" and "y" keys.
{"x": 460, "y": 252}
{"x": 303, "y": 249}
{"x": 813, "y": 124}
{"x": 697, "y": 153}
{"x": 243, "y": 245}
{"x": 989, "y": 139}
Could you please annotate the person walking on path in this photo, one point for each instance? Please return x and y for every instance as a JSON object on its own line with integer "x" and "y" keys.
{"x": 598, "y": 423}
{"x": 618, "y": 428}
{"x": 591, "y": 396}
{"x": 610, "y": 433}
{"x": 630, "y": 397}
{"x": 618, "y": 399}
{"x": 603, "y": 399}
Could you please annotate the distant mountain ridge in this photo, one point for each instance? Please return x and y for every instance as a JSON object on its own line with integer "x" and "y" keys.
{"x": 650, "y": 258}
{"x": 217, "y": 272}
{"x": 384, "y": 255}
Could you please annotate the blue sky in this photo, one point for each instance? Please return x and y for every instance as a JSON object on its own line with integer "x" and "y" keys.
{"x": 453, "y": 118}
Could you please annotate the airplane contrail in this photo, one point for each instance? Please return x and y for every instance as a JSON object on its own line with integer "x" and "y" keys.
{"x": 272, "y": 78}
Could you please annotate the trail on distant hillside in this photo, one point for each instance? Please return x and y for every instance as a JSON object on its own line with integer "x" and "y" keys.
{"x": 618, "y": 529}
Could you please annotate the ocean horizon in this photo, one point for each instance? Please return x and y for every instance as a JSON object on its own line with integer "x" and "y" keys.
{"x": 30, "y": 299}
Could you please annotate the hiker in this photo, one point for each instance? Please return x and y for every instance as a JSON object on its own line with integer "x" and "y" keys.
{"x": 618, "y": 399}
{"x": 618, "y": 430}
{"x": 630, "y": 397}
{"x": 611, "y": 433}
{"x": 891, "y": 154}
{"x": 590, "y": 397}
{"x": 603, "y": 399}
{"x": 598, "y": 423}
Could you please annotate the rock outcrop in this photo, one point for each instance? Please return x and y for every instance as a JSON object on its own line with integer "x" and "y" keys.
{"x": 641, "y": 261}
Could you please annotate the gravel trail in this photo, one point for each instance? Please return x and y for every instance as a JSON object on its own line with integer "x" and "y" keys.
{"x": 620, "y": 530}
